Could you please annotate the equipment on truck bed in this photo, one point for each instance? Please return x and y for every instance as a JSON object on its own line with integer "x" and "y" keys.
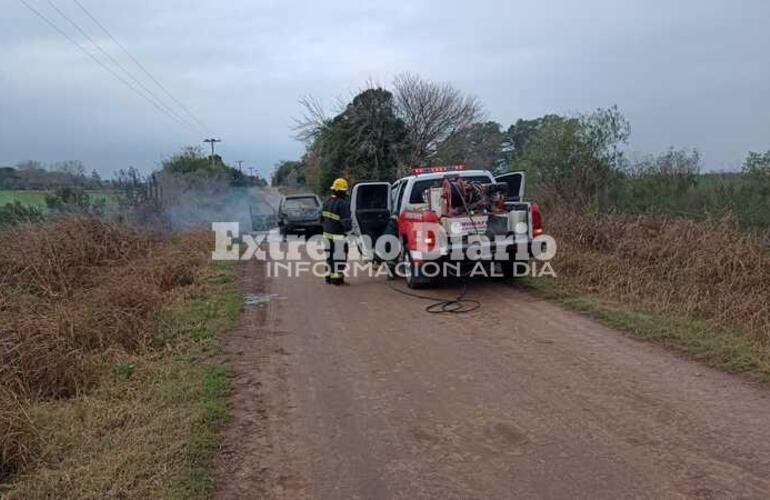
{"x": 446, "y": 215}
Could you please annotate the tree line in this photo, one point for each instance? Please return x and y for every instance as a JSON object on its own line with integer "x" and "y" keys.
{"x": 580, "y": 160}
{"x": 381, "y": 133}
{"x": 35, "y": 176}
{"x": 188, "y": 177}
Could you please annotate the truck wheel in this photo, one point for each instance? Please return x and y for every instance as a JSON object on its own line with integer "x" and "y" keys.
{"x": 412, "y": 274}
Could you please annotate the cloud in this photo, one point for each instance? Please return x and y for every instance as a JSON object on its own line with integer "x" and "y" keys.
{"x": 688, "y": 73}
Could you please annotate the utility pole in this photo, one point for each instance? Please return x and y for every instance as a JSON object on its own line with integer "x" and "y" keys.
{"x": 212, "y": 141}
{"x": 251, "y": 170}
{"x": 240, "y": 165}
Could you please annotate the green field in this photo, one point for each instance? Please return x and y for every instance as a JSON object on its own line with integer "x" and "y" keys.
{"x": 37, "y": 198}
{"x": 33, "y": 198}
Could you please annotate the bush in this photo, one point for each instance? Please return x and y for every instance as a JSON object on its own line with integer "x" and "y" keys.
{"x": 658, "y": 184}
{"x": 70, "y": 200}
{"x": 15, "y": 213}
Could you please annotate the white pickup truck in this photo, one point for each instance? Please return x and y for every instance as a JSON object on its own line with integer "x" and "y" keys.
{"x": 469, "y": 208}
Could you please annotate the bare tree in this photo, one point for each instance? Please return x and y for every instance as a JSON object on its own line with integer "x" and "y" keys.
{"x": 313, "y": 119}
{"x": 432, "y": 112}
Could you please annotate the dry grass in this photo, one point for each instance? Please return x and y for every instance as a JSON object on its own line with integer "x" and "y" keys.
{"x": 20, "y": 442}
{"x": 710, "y": 271}
{"x": 79, "y": 297}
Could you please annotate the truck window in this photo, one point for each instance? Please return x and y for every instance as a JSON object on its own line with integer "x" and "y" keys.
{"x": 420, "y": 186}
{"x": 372, "y": 198}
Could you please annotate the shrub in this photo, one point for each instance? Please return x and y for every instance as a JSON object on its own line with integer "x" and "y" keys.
{"x": 15, "y": 213}
{"x": 70, "y": 200}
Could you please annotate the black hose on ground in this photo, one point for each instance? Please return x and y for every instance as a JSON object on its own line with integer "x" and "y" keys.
{"x": 459, "y": 305}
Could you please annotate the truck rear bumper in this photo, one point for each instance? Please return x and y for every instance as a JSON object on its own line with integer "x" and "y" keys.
{"x": 519, "y": 250}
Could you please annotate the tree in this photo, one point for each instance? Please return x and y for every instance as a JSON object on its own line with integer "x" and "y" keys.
{"x": 96, "y": 179}
{"x": 518, "y": 136}
{"x": 432, "y": 112}
{"x": 577, "y": 159}
{"x": 376, "y": 135}
{"x": 191, "y": 161}
{"x": 313, "y": 120}
{"x": 365, "y": 141}
{"x": 285, "y": 171}
{"x": 478, "y": 145}
{"x": 757, "y": 165}
{"x": 73, "y": 168}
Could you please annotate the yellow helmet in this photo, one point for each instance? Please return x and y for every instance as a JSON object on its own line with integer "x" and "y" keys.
{"x": 340, "y": 185}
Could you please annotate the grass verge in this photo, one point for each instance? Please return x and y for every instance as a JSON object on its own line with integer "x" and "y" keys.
{"x": 37, "y": 198}
{"x": 730, "y": 350}
{"x": 149, "y": 429}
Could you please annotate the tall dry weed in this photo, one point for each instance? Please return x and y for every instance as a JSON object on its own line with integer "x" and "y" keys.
{"x": 709, "y": 269}
{"x": 74, "y": 295}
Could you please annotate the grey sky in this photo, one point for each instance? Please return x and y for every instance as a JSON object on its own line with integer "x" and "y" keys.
{"x": 685, "y": 73}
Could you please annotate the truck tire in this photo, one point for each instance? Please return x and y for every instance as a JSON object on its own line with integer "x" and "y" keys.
{"x": 412, "y": 273}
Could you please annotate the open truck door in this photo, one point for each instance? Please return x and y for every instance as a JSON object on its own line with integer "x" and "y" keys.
{"x": 370, "y": 211}
{"x": 515, "y": 182}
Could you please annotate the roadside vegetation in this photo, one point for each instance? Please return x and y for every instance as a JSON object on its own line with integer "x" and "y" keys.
{"x": 109, "y": 312}
{"x": 107, "y": 383}
{"x": 655, "y": 247}
{"x": 31, "y": 191}
{"x": 702, "y": 287}
{"x": 652, "y": 244}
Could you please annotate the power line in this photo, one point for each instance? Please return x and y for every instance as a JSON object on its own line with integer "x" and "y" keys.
{"x": 141, "y": 66}
{"x": 97, "y": 61}
{"x": 118, "y": 64}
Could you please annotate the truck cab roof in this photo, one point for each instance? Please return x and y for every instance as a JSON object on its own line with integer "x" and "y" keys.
{"x": 441, "y": 175}
{"x": 409, "y": 189}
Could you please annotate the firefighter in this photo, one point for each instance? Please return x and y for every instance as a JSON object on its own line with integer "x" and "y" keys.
{"x": 336, "y": 223}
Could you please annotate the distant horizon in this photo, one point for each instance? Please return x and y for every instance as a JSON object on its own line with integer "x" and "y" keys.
{"x": 631, "y": 155}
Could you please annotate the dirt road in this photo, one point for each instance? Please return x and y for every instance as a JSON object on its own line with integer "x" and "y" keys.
{"x": 356, "y": 392}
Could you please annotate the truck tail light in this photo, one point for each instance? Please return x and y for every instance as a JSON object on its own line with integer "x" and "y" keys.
{"x": 537, "y": 220}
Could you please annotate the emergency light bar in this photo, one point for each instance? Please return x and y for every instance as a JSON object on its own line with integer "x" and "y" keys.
{"x": 437, "y": 170}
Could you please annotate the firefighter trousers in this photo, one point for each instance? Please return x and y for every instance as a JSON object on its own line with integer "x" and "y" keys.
{"x": 336, "y": 257}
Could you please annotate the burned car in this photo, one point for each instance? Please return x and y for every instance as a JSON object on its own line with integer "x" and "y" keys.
{"x": 299, "y": 213}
